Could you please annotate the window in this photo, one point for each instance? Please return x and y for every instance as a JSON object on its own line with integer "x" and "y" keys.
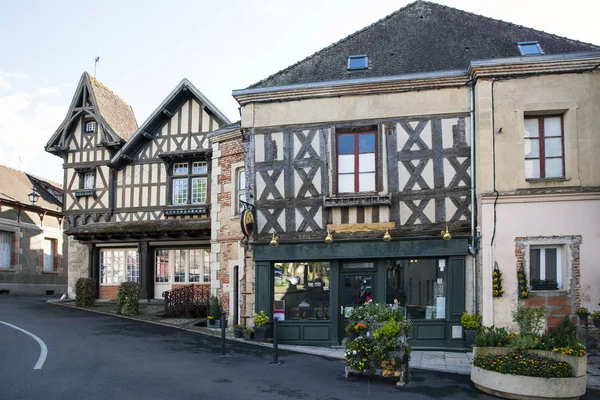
{"x": 89, "y": 179}
{"x": 90, "y": 127}
{"x": 182, "y": 265}
{"x": 301, "y": 291}
{"x": 240, "y": 189}
{"x": 5, "y": 249}
{"x": 190, "y": 188}
{"x": 544, "y": 147}
{"x": 358, "y": 62}
{"x": 545, "y": 266}
{"x": 356, "y": 167}
{"x": 119, "y": 265}
{"x": 530, "y": 48}
{"x": 49, "y": 255}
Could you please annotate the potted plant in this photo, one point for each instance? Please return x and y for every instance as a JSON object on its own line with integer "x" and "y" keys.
{"x": 260, "y": 325}
{"x": 237, "y": 331}
{"x": 596, "y": 319}
{"x": 247, "y": 334}
{"x": 471, "y": 324}
{"x": 214, "y": 317}
{"x": 583, "y": 314}
{"x": 543, "y": 284}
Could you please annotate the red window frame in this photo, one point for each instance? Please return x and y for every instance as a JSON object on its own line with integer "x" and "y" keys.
{"x": 356, "y": 164}
{"x": 542, "y": 150}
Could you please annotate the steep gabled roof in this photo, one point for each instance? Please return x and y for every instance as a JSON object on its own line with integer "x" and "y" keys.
{"x": 420, "y": 37}
{"x": 118, "y": 114}
{"x": 157, "y": 117}
{"x": 92, "y": 97}
{"x": 15, "y": 187}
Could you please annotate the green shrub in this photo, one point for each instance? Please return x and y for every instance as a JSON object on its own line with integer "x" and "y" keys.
{"x": 522, "y": 342}
{"x": 215, "y": 307}
{"x": 471, "y": 322}
{"x": 517, "y": 363}
{"x": 562, "y": 339}
{"x": 490, "y": 336}
{"x": 128, "y": 298}
{"x": 531, "y": 320}
{"x": 261, "y": 319}
{"x": 85, "y": 292}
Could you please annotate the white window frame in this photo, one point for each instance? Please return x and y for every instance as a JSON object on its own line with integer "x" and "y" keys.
{"x": 179, "y": 264}
{"x": 559, "y": 262}
{"x": 90, "y": 127}
{"x": 189, "y": 183}
{"x": 115, "y": 268}
{"x": 240, "y": 190}
{"x": 49, "y": 254}
{"x": 89, "y": 180}
{"x": 6, "y": 239}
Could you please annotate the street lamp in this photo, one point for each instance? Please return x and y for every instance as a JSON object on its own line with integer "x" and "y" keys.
{"x": 33, "y": 196}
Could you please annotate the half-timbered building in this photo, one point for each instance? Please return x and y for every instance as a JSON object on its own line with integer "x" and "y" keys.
{"x": 360, "y": 164}
{"x": 138, "y": 199}
{"x": 32, "y": 247}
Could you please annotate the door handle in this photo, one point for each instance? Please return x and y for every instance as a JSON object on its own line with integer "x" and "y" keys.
{"x": 342, "y": 310}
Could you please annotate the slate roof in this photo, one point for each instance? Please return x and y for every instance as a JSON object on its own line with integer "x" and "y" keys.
{"x": 421, "y": 37}
{"x": 162, "y": 226}
{"x": 118, "y": 114}
{"x": 15, "y": 186}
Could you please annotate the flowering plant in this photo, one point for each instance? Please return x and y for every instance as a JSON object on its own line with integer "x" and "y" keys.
{"x": 522, "y": 278}
{"x": 519, "y": 363}
{"x": 582, "y": 311}
{"x": 261, "y": 319}
{"x": 210, "y": 318}
{"x": 596, "y": 315}
{"x": 497, "y": 289}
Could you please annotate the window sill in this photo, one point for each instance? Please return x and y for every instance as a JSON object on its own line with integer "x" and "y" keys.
{"x": 8, "y": 270}
{"x": 538, "y": 180}
{"x": 50, "y": 272}
{"x": 357, "y": 199}
{"x": 188, "y": 209}
{"x": 85, "y": 192}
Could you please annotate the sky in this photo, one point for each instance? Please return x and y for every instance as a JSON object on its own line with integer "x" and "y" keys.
{"x": 147, "y": 47}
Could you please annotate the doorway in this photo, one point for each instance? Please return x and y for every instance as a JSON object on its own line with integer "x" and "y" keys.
{"x": 356, "y": 288}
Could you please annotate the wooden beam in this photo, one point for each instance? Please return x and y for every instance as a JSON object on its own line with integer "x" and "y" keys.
{"x": 351, "y": 228}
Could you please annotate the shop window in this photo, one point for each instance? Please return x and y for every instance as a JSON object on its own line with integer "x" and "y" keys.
{"x": 301, "y": 291}
{"x": 5, "y": 249}
{"x": 544, "y": 147}
{"x": 419, "y": 285}
{"x": 49, "y": 255}
{"x": 356, "y": 162}
{"x": 189, "y": 183}
{"x": 182, "y": 265}
{"x": 119, "y": 265}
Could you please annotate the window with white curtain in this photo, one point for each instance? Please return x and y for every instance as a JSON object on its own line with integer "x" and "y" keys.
{"x": 356, "y": 162}
{"x": 119, "y": 265}
{"x": 5, "y": 249}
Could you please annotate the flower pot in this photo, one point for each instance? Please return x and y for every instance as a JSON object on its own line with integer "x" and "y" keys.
{"x": 260, "y": 333}
{"x": 583, "y": 318}
{"x": 248, "y": 335}
{"x": 470, "y": 336}
{"x": 596, "y": 323}
{"x": 237, "y": 333}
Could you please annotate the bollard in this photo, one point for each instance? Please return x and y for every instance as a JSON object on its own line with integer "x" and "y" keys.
{"x": 223, "y": 322}
{"x": 406, "y": 361}
{"x": 275, "y": 347}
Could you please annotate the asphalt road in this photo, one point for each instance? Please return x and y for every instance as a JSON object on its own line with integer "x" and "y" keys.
{"x": 95, "y": 356}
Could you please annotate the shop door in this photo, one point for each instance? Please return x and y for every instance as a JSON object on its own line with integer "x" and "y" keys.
{"x": 161, "y": 273}
{"x": 355, "y": 289}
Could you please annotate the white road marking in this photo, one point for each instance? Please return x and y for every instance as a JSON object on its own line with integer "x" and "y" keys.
{"x": 43, "y": 348}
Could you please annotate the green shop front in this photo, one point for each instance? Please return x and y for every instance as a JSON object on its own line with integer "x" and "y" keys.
{"x": 311, "y": 286}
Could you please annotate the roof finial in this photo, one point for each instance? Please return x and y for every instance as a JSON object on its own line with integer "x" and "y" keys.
{"x": 96, "y": 62}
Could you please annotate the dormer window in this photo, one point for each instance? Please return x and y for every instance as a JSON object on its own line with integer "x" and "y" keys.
{"x": 358, "y": 62}
{"x": 530, "y": 49}
{"x": 90, "y": 127}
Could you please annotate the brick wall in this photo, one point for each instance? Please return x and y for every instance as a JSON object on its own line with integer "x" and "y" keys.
{"x": 108, "y": 292}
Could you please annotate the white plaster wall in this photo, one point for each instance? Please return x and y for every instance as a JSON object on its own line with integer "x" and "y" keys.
{"x": 557, "y": 215}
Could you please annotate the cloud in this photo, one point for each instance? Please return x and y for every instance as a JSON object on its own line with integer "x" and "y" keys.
{"x": 27, "y": 121}
{"x": 6, "y": 78}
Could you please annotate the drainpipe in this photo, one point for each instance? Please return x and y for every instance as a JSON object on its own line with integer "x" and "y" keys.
{"x": 491, "y": 258}
{"x": 473, "y": 206}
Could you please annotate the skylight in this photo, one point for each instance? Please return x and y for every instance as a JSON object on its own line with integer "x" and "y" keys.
{"x": 530, "y": 48}
{"x": 358, "y": 62}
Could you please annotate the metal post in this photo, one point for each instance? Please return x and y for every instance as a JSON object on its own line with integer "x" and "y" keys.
{"x": 223, "y": 321}
{"x": 406, "y": 360}
{"x": 275, "y": 347}
{"x": 587, "y": 335}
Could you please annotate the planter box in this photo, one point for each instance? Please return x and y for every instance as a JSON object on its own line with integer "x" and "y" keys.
{"x": 526, "y": 387}
{"x": 544, "y": 286}
{"x": 401, "y": 379}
